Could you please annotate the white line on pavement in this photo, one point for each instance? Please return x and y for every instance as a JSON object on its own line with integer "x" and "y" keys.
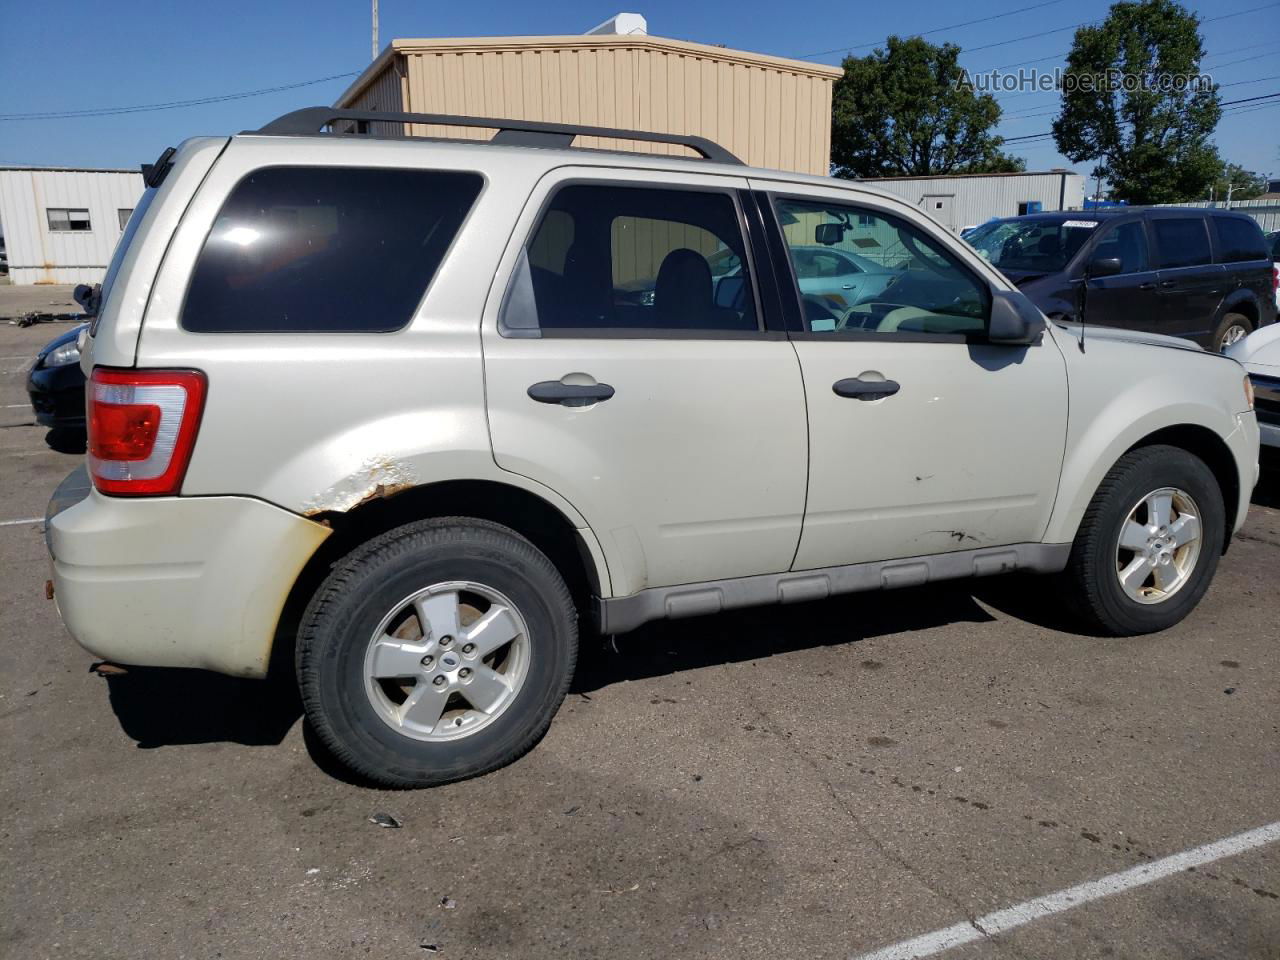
{"x": 25, "y": 356}
{"x": 1020, "y": 914}
{"x": 18, "y": 523}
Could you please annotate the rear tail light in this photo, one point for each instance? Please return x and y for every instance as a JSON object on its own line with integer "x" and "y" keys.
{"x": 142, "y": 428}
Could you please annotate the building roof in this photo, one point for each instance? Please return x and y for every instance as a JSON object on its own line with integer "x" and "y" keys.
{"x": 975, "y": 176}
{"x": 27, "y": 169}
{"x": 646, "y": 41}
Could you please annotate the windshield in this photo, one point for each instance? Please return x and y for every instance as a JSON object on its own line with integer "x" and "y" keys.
{"x": 1031, "y": 246}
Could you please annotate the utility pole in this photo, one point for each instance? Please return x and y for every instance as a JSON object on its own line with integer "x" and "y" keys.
{"x": 1230, "y": 189}
{"x": 374, "y": 55}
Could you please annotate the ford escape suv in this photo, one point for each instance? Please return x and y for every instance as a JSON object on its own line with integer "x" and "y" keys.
{"x": 406, "y": 411}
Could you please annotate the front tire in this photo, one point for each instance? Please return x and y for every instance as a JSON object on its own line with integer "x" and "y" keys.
{"x": 1149, "y": 543}
{"x": 438, "y": 651}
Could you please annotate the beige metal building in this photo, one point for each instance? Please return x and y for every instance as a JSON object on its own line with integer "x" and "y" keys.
{"x": 769, "y": 111}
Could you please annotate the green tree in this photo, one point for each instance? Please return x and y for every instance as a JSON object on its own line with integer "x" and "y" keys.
{"x": 904, "y": 111}
{"x": 1245, "y": 183}
{"x": 1123, "y": 105}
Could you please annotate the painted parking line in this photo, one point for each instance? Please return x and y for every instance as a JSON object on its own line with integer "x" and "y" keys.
{"x": 1010, "y": 918}
{"x": 18, "y": 523}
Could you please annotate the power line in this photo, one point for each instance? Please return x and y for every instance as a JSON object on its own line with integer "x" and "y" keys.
{"x": 171, "y": 104}
{"x": 954, "y": 26}
{"x": 1272, "y": 99}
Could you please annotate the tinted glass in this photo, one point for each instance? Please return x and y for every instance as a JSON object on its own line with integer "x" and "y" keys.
{"x": 1037, "y": 245}
{"x": 904, "y": 282}
{"x": 1275, "y": 246}
{"x": 632, "y": 258}
{"x": 325, "y": 249}
{"x": 1182, "y": 241}
{"x": 1128, "y": 244}
{"x": 1239, "y": 239}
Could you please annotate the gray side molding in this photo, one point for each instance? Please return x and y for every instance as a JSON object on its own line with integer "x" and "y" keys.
{"x": 696, "y": 599}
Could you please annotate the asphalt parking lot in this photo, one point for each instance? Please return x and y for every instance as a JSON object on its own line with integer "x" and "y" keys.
{"x": 815, "y": 781}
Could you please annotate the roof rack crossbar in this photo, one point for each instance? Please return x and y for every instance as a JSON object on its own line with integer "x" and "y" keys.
{"x": 535, "y": 133}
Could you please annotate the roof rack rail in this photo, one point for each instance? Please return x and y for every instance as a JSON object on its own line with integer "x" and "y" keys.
{"x": 529, "y": 133}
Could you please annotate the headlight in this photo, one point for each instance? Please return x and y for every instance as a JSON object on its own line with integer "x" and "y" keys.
{"x": 61, "y": 356}
{"x": 1248, "y": 392}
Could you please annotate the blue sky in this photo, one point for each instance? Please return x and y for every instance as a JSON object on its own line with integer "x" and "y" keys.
{"x": 74, "y": 55}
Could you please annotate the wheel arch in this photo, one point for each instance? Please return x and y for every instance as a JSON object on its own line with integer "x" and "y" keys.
{"x": 569, "y": 548}
{"x": 1203, "y": 443}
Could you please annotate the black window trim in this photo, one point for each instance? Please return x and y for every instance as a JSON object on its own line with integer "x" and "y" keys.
{"x": 413, "y": 314}
{"x": 734, "y": 192}
{"x": 795, "y": 312}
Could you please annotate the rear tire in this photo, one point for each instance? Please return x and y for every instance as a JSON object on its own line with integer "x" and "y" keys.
{"x": 1233, "y": 327}
{"x": 1152, "y": 498}
{"x": 438, "y": 651}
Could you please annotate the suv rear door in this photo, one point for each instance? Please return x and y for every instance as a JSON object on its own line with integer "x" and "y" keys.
{"x": 966, "y": 452}
{"x": 645, "y": 389}
{"x": 1191, "y": 284}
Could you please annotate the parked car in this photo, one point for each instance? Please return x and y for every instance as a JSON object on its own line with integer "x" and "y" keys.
{"x": 388, "y": 411}
{"x": 1201, "y": 274}
{"x": 1273, "y": 241}
{"x": 1260, "y": 354}
{"x": 56, "y": 382}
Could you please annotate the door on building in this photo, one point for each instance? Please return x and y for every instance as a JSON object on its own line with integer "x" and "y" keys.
{"x": 965, "y": 452}
{"x": 940, "y": 207}
{"x": 631, "y": 368}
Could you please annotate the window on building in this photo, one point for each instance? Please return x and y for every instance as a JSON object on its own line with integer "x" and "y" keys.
{"x": 319, "y": 249}
{"x": 631, "y": 258}
{"x": 884, "y": 277}
{"x": 123, "y": 215}
{"x": 1239, "y": 240}
{"x": 1182, "y": 241}
{"x": 68, "y": 220}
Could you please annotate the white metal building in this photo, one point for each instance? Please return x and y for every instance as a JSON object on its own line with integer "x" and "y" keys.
{"x": 967, "y": 200}
{"x": 60, "y": 225}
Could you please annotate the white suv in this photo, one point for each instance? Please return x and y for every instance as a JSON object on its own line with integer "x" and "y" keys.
{"x": 405, "y": 409}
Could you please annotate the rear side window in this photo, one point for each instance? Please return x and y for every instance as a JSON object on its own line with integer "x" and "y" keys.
{"x": 1182, "y": 241}
{"x": 323, "y": 249}
{"x": 609, "y": 259}
{"x": 1239, "y": 240}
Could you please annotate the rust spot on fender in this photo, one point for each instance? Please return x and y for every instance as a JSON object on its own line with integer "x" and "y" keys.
{"x": 376, "y": 479}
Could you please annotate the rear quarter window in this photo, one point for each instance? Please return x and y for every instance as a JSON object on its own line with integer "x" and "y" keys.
{"x": 326, "y": 249}
{"x": 1239, "y": 240}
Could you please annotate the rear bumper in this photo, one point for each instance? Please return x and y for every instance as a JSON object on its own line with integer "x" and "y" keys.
{"x": 176, "y": 581}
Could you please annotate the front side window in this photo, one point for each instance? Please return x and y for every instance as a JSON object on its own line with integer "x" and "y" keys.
{"x": 878, "y": 274}
{"x": 1239, "y": 240}
{"x": 68, "y": 220}
{"x": 323, "y": 249}
{"x": 1126, "y": 243}
{"x": 617, "y": 258}
{"x": 1182, "y": 241}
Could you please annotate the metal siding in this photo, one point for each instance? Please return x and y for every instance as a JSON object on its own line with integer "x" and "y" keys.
{"x": 39, "y": 255}
{"x": 977, "y": 199}
{"x": 768, "y": 115}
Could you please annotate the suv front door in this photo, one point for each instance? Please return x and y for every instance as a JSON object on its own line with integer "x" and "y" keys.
{"x": 630, "y": 368}
{"x": 1128, "y": 299}
{"x": 966, "y": 452}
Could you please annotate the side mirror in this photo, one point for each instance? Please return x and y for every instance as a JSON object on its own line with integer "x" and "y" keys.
{"x": 1015, "y": 320}
{"x": 1104, "y": 267}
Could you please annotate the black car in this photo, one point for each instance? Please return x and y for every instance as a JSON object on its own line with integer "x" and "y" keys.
{"x": 56, "y": 384}
{"x": 1205, "y": 275}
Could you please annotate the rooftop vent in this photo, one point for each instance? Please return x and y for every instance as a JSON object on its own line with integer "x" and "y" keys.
{"x": 622, "y": 24}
